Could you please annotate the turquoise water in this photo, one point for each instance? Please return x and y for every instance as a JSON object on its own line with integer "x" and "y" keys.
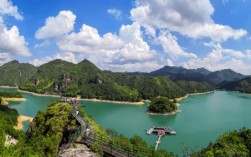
{"x": 203, "y": 118}
{"x": 31, "y": 106}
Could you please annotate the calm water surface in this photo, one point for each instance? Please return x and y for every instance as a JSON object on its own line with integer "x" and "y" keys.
{"x": 31, "y": 106}
{"x": 203, "y": 118}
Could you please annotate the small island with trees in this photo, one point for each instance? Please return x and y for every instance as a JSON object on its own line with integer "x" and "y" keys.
{"x": 162, "y": 106}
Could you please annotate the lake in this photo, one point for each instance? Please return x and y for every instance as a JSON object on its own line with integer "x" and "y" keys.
{"x": 203, "y": 118}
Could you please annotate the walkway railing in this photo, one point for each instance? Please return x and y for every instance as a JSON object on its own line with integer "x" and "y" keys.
{"x": 119, "y": 149}
{"x": 108, "y": 145}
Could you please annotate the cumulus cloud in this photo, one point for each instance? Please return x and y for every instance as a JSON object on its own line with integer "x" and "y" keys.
{"x": 62, "y": 24}
{"x": 115, "y": 12}
{"x": 11, "y": 42}
{"x": 221, "y": 58}
{"x": 248, "y": 53}
{"x": 67, "y": 56}
{"x": 127, "y": 46}
{"x": 192, "y": 19}
{"x": 170, "y": 62}
{"x": 7, "y": 8}
{"x": 171, "y": 47}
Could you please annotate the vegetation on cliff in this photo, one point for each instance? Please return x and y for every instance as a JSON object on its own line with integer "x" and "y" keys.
{"x": 8, "y": 119}
{"x": 234, "y": 143}
{"x": 46, "y": 132}
{"x": 161, "y": 105}
{"x": 15, "y": 73}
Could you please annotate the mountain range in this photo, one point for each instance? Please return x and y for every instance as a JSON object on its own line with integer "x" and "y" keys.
{"x": 199, "y": 75}
{"x": 88, "y": 81}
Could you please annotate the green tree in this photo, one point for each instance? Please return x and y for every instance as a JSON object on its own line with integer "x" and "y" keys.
{"x": 161, "y": 105}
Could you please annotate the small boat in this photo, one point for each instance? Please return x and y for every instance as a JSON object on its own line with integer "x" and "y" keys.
{"x": 149, "y": 131}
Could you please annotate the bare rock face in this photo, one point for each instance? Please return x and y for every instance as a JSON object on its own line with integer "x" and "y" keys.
{"x": 67, "y": 150}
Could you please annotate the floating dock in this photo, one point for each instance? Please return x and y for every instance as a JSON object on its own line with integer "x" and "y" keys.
{"x": 160, "y": 131}
{"x": 156, "y": 130}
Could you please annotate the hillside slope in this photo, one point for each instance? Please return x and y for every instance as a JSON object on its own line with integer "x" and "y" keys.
{"x": 87, "y": 80}
{"x": 15, "y": 73}
{"x": 243, "y": 85}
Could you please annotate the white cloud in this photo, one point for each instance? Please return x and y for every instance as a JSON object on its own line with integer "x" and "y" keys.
{"x": 88, "y": 40}
{"x": 11, "y": 42}
{"x": 171, "y": 47}
{"x": 7, "y": 8}
{"x": 67, "y": 56}
{"x": 128, "y": 46}
{"x": 229, "y": 52}
{"x": 115, "y": 12}
{"x": 248, "y": 53}
{"x": 221, "y": 58}
{"x": 170, "y": 62}
{"x": 192, "y": 19}
{"x": 62, "y": 24}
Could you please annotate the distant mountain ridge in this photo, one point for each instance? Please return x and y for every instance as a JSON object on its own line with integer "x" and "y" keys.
{"x": 243, "y": 85}
{"x": 88, "y": 81}
{"x": 199, "y": 75}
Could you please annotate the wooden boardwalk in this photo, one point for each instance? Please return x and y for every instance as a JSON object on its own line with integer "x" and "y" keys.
{"x": 83, "y": 126}
{"x": 158, "y": 142}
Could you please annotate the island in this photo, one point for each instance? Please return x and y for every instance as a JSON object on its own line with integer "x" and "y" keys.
{"x": 162, "y": 106}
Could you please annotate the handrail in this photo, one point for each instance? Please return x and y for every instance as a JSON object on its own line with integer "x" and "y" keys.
{"x": 119, "y": 147}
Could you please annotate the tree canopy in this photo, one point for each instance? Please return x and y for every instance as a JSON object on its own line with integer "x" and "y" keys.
{"x": 161, "y": 105}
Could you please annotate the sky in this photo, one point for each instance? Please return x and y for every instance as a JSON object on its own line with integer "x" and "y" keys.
{"x": 128, "y": 35}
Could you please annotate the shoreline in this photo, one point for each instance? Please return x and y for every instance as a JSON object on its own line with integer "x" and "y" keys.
{"x": 20, "y": 120}
{"x": 115, "y": 102}
{"x": 98, "y": 100}
{"x": 163, "y": 114}
{"x": 186, "y": 96}
{"x": 14, "y": 99}
{"x": 36, "y": 94}
{"x": 94, "y": 100}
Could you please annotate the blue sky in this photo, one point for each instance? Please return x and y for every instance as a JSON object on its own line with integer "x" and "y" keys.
{"x": 128, "y": 35}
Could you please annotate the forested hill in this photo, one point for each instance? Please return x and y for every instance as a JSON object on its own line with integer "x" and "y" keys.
{"x": 223, "y": 75}
{"x": 198, "y": 75}
{"x": 15, "y": 73}
{"x": 234, "y": 143}
{"x": 85, "y": 79}
{"x": 243, "y": 85}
